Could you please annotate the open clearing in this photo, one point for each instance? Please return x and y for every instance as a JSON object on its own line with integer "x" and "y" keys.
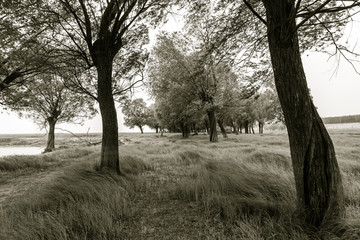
{"x": 172, "y": 188}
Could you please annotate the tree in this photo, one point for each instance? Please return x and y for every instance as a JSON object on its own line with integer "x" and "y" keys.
{"x": 292, "y": 27}
{"x": 97, "y": 34}
{"x": 48, "y": 102}
{"x": 152, "y": 119}
{"x": 317, "y": 175}
{"x": 23, "y": 50}
{"x": 136, "y": 113}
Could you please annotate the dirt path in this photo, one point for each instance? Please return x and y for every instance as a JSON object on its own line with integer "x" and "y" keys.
{"x": 158, "y": 216}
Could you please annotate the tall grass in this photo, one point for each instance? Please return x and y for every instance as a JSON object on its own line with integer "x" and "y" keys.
{"x": 44, "y": 161}
{"x": 254, "y": 193}
{"x": 244, "y": 183}
{"x": 82, "y": 203}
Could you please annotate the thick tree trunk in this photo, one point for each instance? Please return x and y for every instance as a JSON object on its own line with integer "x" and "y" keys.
{"x": 317, "y": 175}
{"x": 50, "y": 145}
{"x": 110, "y": 144}
{"x": 223, "y": 131}
{"x": 212, "y": 125}
{"x": 184, "y": 129}
{"x": 157, "y": 129}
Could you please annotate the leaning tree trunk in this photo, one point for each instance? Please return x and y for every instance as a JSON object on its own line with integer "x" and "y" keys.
{"x": 212, "y": 123}
{"x": 110, "y": 144}
{"x": 317, "y": 175}
{"x": 50, "y": 145}
{"x": 141, "y": 129}
{"x": 223, "y": 131}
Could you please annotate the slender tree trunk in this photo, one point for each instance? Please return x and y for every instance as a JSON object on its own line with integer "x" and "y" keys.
{"x": 141, "y": 129}
{"x": 157, "y": 129}
{"x": 50, "y": 145}
{"x": 223, "y": 131}
{"x": 212, "y": 123}
{"x": 261, "y": 127}
{"x": 246, "y": 126}
{"x": 161, "y": 131}
{"x": 317, "y": 175}
{"x": 207, "y": 126}
{"x": 110, "y": 144}
{"x": 236, "y": 130}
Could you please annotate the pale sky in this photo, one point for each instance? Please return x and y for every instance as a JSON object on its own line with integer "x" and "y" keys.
{"x": 334, "y": 94}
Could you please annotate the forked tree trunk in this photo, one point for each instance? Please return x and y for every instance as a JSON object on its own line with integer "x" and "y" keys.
{"x": 212, "y": 125}
{"x": 223, "y": 131}
{"x": 110, "y": 144}
{"x": 317, "y": 175}
{"x": 50, "y": 145}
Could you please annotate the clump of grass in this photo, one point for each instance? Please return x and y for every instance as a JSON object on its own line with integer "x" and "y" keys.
{"x": 255, "y": 203}
{"x": 133, "y": 165}
{"x": 189, "y": 157}
{"x": 270, "y": 159}
{"x": 17, "y": 162}
{"x": 233, "y": 190}
{"x": 81, "y": 204}
{"x": 43, "y": 161}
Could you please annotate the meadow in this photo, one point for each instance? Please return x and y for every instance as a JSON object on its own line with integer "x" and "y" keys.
{"x": 171, "y": 188}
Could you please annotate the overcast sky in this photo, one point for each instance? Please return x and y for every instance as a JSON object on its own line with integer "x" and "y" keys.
{"x": 334, "y": 94}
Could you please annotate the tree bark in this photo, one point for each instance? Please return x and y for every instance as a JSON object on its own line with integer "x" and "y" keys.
{"x": 212, "y": 125}
{"x": 317, "y": 175}
{"x": 110, "y": 144}
{"x": 50, "y": 145}
{"x": 223, "y": 131}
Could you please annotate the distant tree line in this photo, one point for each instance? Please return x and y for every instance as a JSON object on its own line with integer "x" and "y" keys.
{"x": 342, "y": 119}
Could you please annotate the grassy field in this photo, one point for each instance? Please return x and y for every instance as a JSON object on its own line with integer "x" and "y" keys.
{"x": 172, "y": 188}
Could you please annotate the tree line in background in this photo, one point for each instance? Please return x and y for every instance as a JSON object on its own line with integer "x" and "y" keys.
{"x": 62, "y": 57}
{"x": 342, "y": 119}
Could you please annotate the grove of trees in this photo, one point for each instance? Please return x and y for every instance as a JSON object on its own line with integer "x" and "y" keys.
{"x": 234, "y": 65}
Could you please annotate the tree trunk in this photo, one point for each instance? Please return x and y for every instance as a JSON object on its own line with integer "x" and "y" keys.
{"x": 157, "y": 129}
{"x": 184, "y": 129}
{"x": 246, "y": 126}
{"x": 212, "y": 123}
{"x": 261, "y": 127}
{"x": 110, "y": 144}
{"x": 141, "y": 129}
{"x": 223, "y": 131}
{"x": 317, "y": 175}
{"x": 50, "y": 145}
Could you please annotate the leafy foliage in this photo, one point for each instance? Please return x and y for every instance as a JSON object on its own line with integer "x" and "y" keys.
{"x": 47, "y": 97}
{"x": 136, "y": 113}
